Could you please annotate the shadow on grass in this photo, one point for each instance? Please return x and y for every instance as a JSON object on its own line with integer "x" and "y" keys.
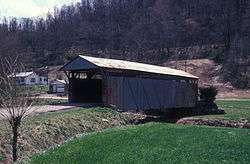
{"x": 171, "y": 116}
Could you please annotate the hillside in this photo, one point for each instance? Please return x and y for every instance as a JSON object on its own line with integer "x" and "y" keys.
{"x": 44, "y": 131}
{"x": 139, "y": 30}
{"x": 47, "y": 130}
{"x": 209, "y": 73}
{"x": 154, "y": 143}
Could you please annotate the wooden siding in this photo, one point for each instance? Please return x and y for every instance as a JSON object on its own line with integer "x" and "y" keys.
{"x": 132, "y": 93}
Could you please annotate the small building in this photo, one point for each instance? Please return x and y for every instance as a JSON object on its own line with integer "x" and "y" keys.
{"x": 129, "y": 85}
{"x": 57, "y": 86}
{"x": 29, "y": 78}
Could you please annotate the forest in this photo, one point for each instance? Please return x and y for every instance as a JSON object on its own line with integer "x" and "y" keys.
{"x": 138, "y": 30}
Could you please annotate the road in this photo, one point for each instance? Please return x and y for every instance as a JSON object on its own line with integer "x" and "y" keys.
{"x": 47, "y": 108}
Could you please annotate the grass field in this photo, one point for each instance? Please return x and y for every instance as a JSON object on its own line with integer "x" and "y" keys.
{"x": 155, "y": 143}
{"x": 235, "y": 110}
{"x": 47, "y": 130}
{"x": 41, "y": 101}
{"x": 41, "y": 132}
{"x": 38, "y": 89}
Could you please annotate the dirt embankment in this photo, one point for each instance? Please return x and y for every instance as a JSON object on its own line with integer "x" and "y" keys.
{"x": 44, "y": 131}
{"x": 210, "y": 74}
{"x": 217, "y": 123}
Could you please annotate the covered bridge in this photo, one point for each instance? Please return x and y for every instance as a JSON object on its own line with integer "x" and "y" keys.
{"x": 129, "y": 85}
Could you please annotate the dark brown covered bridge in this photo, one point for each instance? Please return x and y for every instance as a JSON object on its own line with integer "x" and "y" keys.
{"x": 129, "y": 85}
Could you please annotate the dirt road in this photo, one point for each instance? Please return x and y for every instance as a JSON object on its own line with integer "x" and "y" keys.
{"x": 46, "y": 108}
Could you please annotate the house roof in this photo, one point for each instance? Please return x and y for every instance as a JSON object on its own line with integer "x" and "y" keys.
{"x": 22, "y": 74}
{"x": 123, "y": 65}
{"x": 56, "y": 81}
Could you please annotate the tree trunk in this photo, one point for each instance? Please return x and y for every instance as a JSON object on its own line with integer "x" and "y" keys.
{"x": 14, "y": 142}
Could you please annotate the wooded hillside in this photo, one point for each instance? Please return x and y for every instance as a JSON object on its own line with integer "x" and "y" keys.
{"x": 137, "y": 30}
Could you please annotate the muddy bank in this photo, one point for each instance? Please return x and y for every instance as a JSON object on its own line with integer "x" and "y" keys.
{"x": 216, "y": 123}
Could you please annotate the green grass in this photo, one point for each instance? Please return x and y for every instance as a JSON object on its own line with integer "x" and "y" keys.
{"x": 47, "y": 130}
{"x": 154, "y": 143}
{"x": 42, "y": 101}
{"x": 39, "y": 89}
{"x": 41, "y": 132}
{"x": 235, "y": 110}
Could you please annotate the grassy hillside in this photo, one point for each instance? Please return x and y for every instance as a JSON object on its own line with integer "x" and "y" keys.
{"x": 41, "y": 132}
{"x": 47, "y": 130}
{"x": 155, "y": 143}
{"x": 235, "y": 110}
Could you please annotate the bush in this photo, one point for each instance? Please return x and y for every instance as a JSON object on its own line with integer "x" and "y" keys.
{"x": 1, "y": 158}
{"x": 208, "y": 94}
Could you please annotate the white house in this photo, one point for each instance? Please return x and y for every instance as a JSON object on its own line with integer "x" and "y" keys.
{"x": 58, "y": 86}
{"x": 30, "y": 78}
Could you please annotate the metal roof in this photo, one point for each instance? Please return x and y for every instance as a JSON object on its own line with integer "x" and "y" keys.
{"x": 56, "y": 81}
{"x": 22, "y": 74}
{"x": 134, "y": 66}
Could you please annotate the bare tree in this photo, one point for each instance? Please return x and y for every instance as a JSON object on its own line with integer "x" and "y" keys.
{"x": 15, "y": 101}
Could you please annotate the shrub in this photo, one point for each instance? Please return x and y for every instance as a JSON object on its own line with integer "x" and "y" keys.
{"x": 208, "y": 94}
{"x": 1, "y": 158}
